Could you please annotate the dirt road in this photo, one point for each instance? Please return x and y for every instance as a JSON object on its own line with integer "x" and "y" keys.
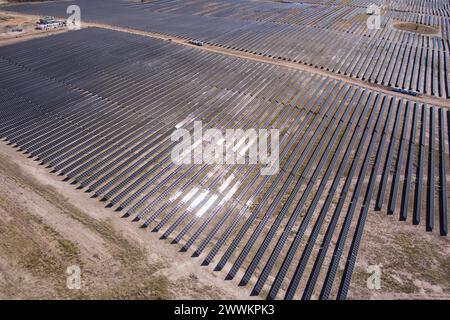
{"x": 271, "y": 60}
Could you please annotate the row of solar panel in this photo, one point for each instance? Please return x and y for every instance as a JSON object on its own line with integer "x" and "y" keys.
{"x": 101, "y": 113}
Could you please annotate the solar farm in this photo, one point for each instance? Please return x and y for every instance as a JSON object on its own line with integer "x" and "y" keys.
{"x": 363, "y": 117}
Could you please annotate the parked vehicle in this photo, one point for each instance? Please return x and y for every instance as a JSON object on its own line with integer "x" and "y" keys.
{"x": 47, "y": 23}
{"x": 404, "y": 91}
{"x": 196, "y": 42}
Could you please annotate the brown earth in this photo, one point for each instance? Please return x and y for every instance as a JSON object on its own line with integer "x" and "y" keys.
{"x": 26, "y": 23}
{"x": 414, "y": 264}
{"x": 46, "y": 225}
{"x": 415, "y": 27}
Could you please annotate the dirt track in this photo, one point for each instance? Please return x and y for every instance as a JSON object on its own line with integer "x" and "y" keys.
{"x": 293, "y": 65}
{"x": 264, "y": 59}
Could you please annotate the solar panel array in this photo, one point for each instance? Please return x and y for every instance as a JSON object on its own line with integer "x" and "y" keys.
{"x": 99, "y": 107}
{"x": 328, "y": 35}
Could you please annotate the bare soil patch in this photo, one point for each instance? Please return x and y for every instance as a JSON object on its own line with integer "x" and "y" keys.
{"x": 414, "y": 264}
{"x": 415, "y": 27}
{"x": 27, "y": 24}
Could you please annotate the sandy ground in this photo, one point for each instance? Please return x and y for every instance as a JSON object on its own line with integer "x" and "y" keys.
{"x": 46, "y": 225}
{"x": 414, "y": 264}
{"x": 26, "y": 23}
